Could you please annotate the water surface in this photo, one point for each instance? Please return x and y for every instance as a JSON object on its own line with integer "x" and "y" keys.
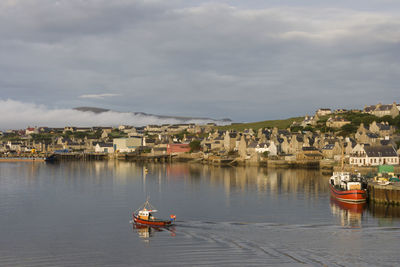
{"x": 78, "y": 213}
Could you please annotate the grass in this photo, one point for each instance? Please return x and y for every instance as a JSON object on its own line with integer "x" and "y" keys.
{"x": 280, "y": 124}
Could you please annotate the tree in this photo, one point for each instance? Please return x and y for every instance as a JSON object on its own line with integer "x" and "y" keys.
{"x": 348, "y": 129}
{"x": 195, "y": 146}
{"x": 309, "y": 128}
{"x": 296, "y": 128}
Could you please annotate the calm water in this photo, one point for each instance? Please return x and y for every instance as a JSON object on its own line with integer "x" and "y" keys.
{"x": 77, "y": 214}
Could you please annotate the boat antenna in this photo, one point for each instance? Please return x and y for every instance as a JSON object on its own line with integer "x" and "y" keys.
{"x": 146, "y": 205}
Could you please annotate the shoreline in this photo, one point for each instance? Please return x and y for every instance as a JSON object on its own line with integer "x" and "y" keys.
{"x": 324, "y": 165}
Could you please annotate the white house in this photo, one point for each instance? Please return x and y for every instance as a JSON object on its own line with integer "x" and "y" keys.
{"x": 104, "y": 148}
{"x": 127, "y": 144}
{"x": 271, "y": 148}
{"x": 374, "y": 156}
{"x": 31, "y": 130}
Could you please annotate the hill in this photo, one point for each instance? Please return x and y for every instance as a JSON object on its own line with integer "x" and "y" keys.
{"x": 281, "y": 124}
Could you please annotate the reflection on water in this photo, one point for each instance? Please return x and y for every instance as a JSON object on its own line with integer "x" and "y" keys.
{"x": 386, "y": 214}
{"x": 350, "y": 214}
{"x": 145, "y": 232}
{"x": 79, "y": 213}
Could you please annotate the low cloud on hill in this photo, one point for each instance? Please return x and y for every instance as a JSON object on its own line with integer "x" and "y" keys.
{"x": 18, "y": 115}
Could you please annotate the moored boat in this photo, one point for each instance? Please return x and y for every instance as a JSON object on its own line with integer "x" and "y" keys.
{"x": 144, "y": 215}
{"x": 348, "y": 187}
{"x": 27, "y": 159}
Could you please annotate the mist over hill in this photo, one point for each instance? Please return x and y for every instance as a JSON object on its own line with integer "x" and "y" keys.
{"x": 182, "y": 119}
{"x": 19, "y": 115}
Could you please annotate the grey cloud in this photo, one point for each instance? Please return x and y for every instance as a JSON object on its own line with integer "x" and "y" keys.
{"x": 210, "y": 59}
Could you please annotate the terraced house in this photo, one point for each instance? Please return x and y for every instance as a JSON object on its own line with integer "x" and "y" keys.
{"x": 374, "y": 156}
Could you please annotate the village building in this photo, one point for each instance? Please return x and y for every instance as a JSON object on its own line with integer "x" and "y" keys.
{"x": 101, "y": 147}
{"x": 14, "y": 145}
{"x": 340, "y": 111}
{"x": 295, "y": 144}
{"x": 270, "y": 147}
{"x": 323, "y": 112}
{"x": 150, "y": 142}
{"x": 374, "y": 156}
{"x": 83, "y": 129}
{"x": 242, "y": 147}
{"x": 309, "y": 153}
{"x": 230, "y": 140}
{"x": 159, "y": 150}
{"x": 337, "y": 122}
{"x": 69, "y": 129}
{"x": 380, "y": 110}
{"x": 177, "y": 148}
{"x": 308, "y": 120}
{"x": 382, "y": 129}
{"x": 331, "y": 150}
{"x": 127, "y": 144}
{"x": 31, "y": 130}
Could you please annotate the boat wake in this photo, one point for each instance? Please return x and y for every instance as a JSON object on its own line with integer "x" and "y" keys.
{"x": 243, "y": 243}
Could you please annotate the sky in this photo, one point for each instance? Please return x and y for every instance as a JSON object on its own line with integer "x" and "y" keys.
{"x": 244, "y": 60}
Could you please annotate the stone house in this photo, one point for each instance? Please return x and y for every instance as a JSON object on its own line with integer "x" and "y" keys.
{"x": 363, "y": 135}
{"x": 323, "y": 112}
{"x": 149, "y": 142}
{"x": 14, "y": 145}
{"x": 83, "y": 129}
{"x": 159, "y": 150}
{"x": 75, "y": 146}
{"x": 349, "y": 144}
{"x": 331, "y": 150}
{"x": 380, "y": 110}
{"x": 229, "y": 140}
{"x": 69, "y": 129}
{"x": 284, "y": 145}
{"x": 382, "y": 129}
{"x": 337, "y": 122}
{"x": 296, "y": 143}
{"x": 242, "y": 147}
{"x": 309, "y": 153}
{"x": 308, "y": 120}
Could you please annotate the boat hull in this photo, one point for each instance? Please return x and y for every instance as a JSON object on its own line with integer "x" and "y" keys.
{"x": 151, "y": 222}
{"x": 349, "y": 196}
{"x": 22, "y": 159}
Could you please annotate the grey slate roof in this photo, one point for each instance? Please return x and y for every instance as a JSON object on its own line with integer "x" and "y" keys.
{"x": 328, "y": 147}
{"x": 372, "y": 135}
{"x": 380, "y": 151}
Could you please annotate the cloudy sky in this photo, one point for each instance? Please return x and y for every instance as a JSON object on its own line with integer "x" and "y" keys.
{"x": 245, "y": 60}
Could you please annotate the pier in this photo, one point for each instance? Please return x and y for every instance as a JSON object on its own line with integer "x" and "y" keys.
{"x": 387, "y": 194}
{"x": 146, "y": 157}
{"x": 80, "y": 156}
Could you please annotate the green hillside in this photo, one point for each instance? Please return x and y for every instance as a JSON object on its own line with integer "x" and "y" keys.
{"x": 281, "y": 124}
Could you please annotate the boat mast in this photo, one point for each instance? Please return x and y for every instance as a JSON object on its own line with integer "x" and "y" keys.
{"x": 342, "y": 158}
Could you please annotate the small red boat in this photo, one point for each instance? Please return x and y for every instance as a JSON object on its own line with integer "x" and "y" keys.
{"x": 347, "y": 188}
{"x": 144, "y": 215}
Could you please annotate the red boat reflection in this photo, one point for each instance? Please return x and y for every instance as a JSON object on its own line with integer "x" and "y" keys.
{"x": 350, "y": 214}
{"x": 146, "y": 231}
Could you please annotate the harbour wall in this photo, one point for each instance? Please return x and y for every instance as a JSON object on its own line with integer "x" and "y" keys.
{"x": 387, "y": 194}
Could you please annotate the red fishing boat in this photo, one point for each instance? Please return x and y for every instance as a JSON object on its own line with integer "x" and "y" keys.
{"x": 348, "y": 187}
{"x": 144, "y": 215}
